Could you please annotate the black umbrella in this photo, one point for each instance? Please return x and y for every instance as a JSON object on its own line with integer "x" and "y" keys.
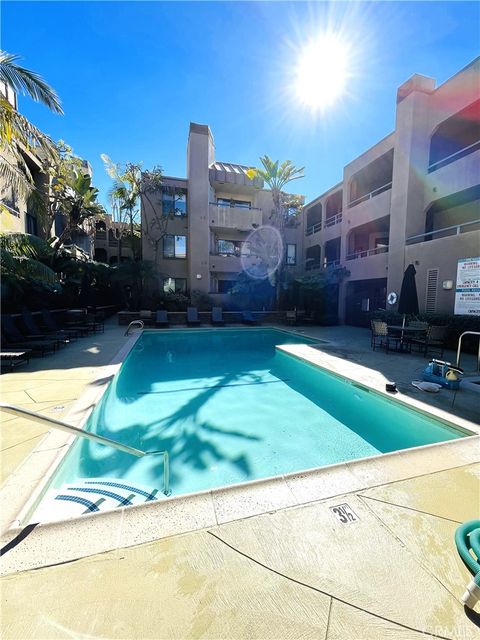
{"x": 408, "y": 303}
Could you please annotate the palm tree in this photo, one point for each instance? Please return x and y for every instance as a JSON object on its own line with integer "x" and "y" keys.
{"x": 17, "y": 134}
{"x": 277, "y": 176}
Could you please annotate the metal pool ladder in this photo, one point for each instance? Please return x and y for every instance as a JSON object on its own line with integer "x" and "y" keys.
{"x": 63, "y": 426}
{"x": 134, "y": 323}
{"x": 459, "y": 348}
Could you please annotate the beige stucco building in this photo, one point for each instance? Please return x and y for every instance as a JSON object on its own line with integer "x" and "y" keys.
{"x": 411, "y": 198}
{"x": 215, "y": 214}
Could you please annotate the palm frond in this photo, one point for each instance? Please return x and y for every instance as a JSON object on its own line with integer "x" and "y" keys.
{"x": 28, "y": 82}
{"x": 17, "y": 179}
{"x": 24, "y": 245}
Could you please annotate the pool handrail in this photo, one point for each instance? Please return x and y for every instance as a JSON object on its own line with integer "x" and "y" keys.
{"x": 134, "y": 323}
{"x": 459, "y": 347}
{"x": 63, "y": 426}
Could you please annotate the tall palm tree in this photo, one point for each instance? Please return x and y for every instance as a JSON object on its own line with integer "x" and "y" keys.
{"x": 277, "y": 176}
{"x": 27, "y": 82}
{"x": 16, "y": 132}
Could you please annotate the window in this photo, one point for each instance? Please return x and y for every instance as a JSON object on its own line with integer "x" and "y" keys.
{"x": 224, "y": 286}
{"x": 231, "y": 248}
{"x": 291, "y": 254}
{"x": 174, "y": 246}
{"x": 174, "y": 201}
{"x": 175, "y": 285}
{"x": 31, "y": 224}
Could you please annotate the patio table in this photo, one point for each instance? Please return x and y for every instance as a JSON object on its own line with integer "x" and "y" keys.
{"x": 405, "y": 347}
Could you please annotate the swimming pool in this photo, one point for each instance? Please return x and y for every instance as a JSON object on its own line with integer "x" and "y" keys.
{"x": 229, "y": 407}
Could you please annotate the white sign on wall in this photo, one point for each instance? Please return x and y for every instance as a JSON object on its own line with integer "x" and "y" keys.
{"x": 467, "y": 291}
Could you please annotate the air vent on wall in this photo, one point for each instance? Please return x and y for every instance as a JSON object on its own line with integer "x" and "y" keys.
{"x": 431, "y": 292}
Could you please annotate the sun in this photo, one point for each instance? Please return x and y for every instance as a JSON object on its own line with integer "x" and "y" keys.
{"x": 321, "y": 72}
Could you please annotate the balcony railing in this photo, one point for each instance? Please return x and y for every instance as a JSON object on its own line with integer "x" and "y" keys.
{"x": 331, "y": 263}
{"x": 237, "y": 206}
{"x": 370, "y": 195}
{"x": 333, "y": 220}
{"x": 314, "y": 228}
{"x": 455, "y": 230}
{"x": 454, "y": 156}
{"x": 369, "y": 252}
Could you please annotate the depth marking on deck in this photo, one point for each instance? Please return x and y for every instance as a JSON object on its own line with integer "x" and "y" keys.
{"x": 344, "y": 513}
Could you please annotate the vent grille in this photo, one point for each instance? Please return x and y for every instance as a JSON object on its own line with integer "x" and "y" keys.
{"x": 431, "y": 295}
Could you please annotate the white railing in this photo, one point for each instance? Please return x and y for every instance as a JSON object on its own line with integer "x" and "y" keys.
{"x": 370, "y": 195}
{"x": 455, "y": 230}
{"x": 314, "y": 228}
{"x": 236, "y": 206}
{"x": 331, "y": 263}
{"x": 454, "y": 156}
{"x": 459, "y": 348}
{"x": 63, "y": 426}
{"x": 368, "y": 252}
{"x": 333, "y": 220}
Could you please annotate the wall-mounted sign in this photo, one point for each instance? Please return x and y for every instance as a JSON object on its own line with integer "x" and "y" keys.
{"x": 467, "y": 290}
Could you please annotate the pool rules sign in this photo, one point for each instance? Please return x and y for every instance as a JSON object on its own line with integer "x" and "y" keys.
{"x": 467, "y": 290}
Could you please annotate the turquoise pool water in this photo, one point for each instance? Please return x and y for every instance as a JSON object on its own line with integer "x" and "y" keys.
{"x": 229, "y": 407}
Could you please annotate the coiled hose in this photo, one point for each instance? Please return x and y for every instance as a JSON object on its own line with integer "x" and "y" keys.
{"x": 467, "y": 539}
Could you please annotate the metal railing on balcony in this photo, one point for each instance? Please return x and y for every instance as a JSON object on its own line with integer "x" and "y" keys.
{"x": 454, "y": 230}
{"x": 310, "y": 266}
{"x": 333, "y": 220}
{"x": 370, "y": 195}
{"x": 331, "y": 263}
{"x": 237, "y": 206}
{"x": 454, "y": 156}
{"x": 368, "y": 252}
{"x": 314, "y": 228}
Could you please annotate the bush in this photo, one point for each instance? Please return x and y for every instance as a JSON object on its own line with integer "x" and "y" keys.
{"x": 201, "y": 300}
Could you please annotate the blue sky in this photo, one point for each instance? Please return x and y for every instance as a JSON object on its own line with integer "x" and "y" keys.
{"x": 132, "y": 75}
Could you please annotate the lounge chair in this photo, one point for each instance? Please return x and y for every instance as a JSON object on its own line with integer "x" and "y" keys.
{"x": 433, "y": 341}
{"x": 217, "y": 317}
{"x": 192, "y": 316}
{"x": 161, "y": 318}
{"x": 52, "y": 325}
{"x": 34, "y": 345}
{"x": 291, "y": 317}
{"x": 14, "y": 357}
{"x": 34, "y": 330}
{"x": 247, "y": 318}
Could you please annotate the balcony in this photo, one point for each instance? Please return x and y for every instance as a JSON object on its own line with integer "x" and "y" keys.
{"x": 368, "y": 252}
{"x": 455, "y": 230}
{"x": 370, "y": 195}
{"x": 239, "y": 218}
{"x": 332, "y": 221}
{"x": 313, "y": 229}
{"x": 222, "y": 263}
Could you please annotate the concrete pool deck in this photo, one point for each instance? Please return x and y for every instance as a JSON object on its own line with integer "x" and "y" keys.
{"x": 296, "y": 571}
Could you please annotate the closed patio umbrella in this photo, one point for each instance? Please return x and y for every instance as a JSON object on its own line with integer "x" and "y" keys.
{"x": 408, "y": 303}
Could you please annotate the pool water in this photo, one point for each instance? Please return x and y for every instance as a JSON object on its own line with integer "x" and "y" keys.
{"x": 229, "y": 407}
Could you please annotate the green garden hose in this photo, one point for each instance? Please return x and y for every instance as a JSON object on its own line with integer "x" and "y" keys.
{"x": 467, "y": 539}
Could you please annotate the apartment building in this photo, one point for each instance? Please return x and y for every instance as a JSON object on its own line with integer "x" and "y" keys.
{"x": 199, "y": 229}
{"x": 111, "y": 241}
{"x": 413, "y": 198}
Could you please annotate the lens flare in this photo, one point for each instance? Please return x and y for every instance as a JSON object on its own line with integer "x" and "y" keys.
{"x": 321, "y": 72}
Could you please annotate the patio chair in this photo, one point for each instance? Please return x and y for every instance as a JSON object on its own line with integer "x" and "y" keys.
{"x": 51, "y": 324}
{"x": 433, "y": 341}
{"x": 34, "y": 330}
{"x": 34, "y": 345}
{"x": 247, "y": 318}
{"x": 14, "y": 357}
{"x": 291, "y": 317}
{"x": 381, "y": 338}
{"x": 192, "y": 316}
{"x": 161, "y": 318}
{"x": 217, "y": 317}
